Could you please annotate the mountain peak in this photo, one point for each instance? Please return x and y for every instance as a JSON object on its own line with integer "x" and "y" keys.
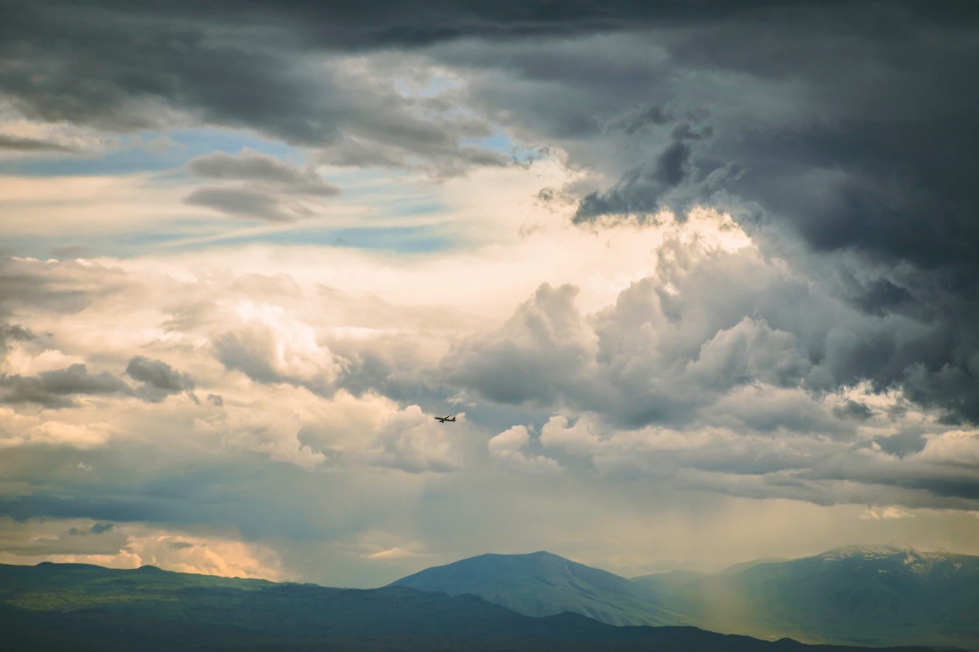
{"x": 542, "y": 584}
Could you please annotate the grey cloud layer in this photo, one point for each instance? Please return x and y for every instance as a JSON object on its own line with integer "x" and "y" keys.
{"x": 125, "y": 69}
{"x": 241, "y": 202}
{"x": 252, "y": 166}
{"x": 158, "y": 379}
{"x": 269, "y": 190}
{"x": 54, "y": 389}
{"x": 17, "y": 144}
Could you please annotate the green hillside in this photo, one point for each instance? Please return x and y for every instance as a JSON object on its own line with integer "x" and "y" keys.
{"x": 65, "y": 587}
{"x": 542, "y": 584}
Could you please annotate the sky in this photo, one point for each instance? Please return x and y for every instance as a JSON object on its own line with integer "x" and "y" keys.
{"x": 699, "y": 281}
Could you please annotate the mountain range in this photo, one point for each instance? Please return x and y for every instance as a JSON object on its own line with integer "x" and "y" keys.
{"x": 857, "y": 595}
{"x": 88, "y": 608}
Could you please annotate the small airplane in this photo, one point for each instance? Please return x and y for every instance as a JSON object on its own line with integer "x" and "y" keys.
{"x": 449, "y": 417}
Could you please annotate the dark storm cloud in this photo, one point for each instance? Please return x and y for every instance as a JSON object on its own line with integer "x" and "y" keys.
{"x": 73, "y": 541}
{"x": 881, "y": 296}
{"x": 238, "y": 64}
{"x": 110, "y": 509}
{"x": 854, "y": 141}
{"x": 853, "y": 410}
{"x": 379, "y": 23}
{"x": 901, "y": 444}
{"x": 231, "y": 491}
{"x": 877, "y": 155}
{"x": 946, "y": 479}
{"x": 667, "y": 181}
{"x": 94, "y": 65}
{"x": 54, "y": 389}
{"x": 828, "y": 476}
{"x": 158, "y": 374}
{"x": 159, "y": 380}
{"x": 98, "y": 528}
{"x": 110, "y": 63}
{"x": 364, "y": 25}
{"x": 16, "y": 144}
{"x": 269, "y": 184}
{"x": 128, "y": 68}
{"x": 252, "y": 166}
